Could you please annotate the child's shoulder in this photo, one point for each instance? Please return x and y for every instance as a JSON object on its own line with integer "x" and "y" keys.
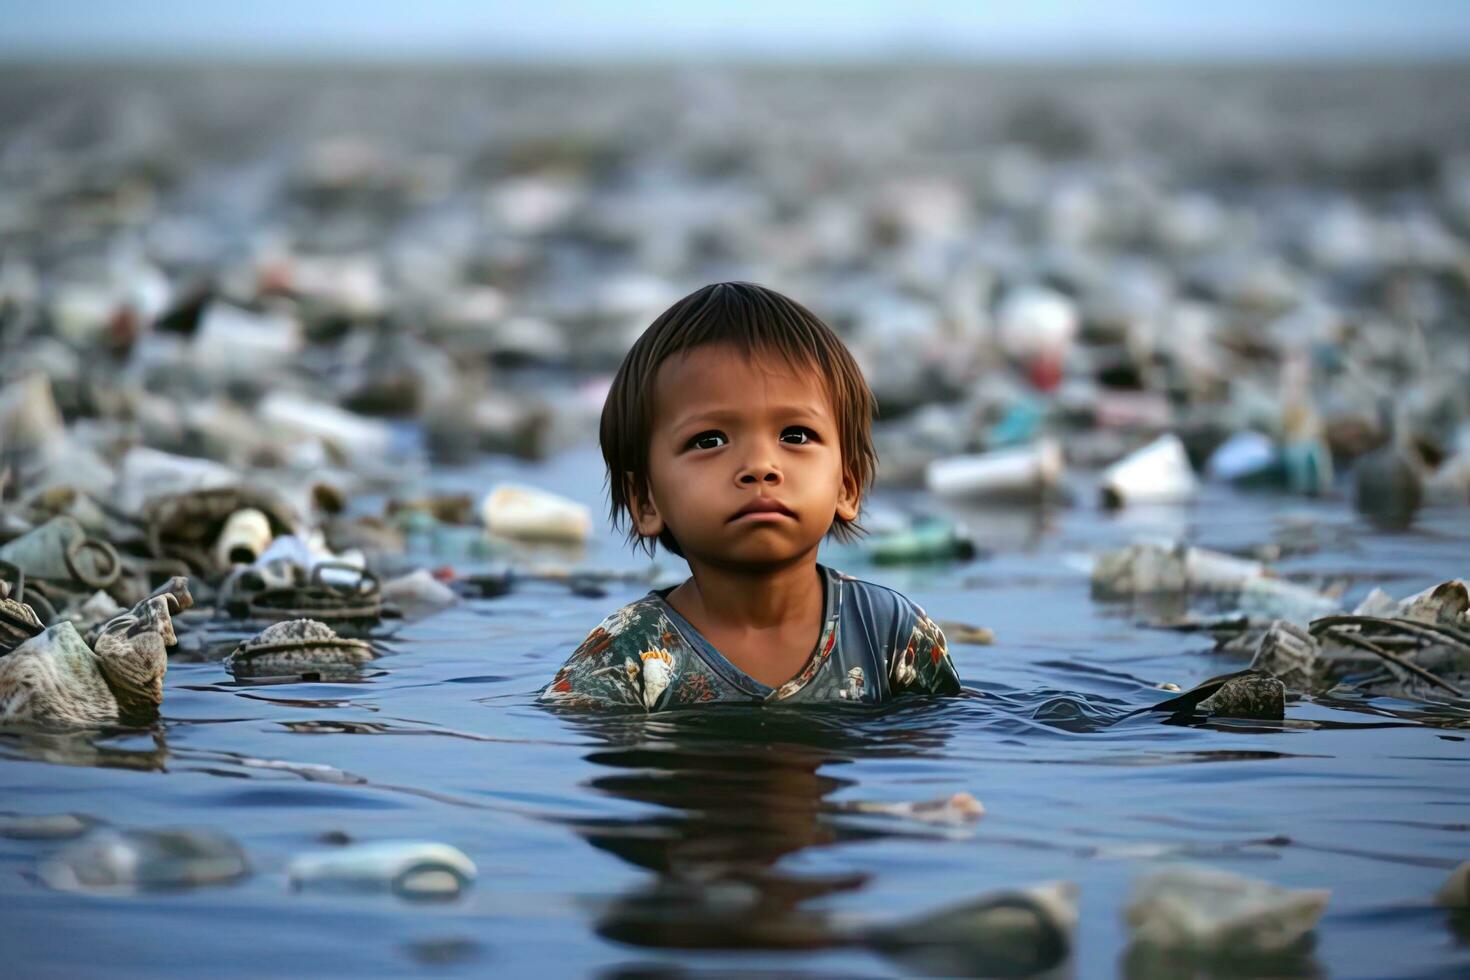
{"x": 914, "y": 647}
{"x": 880, "y": 601}
{"x": 622, "y": 659}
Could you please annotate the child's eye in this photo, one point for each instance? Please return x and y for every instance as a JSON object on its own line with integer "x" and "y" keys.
{"x": 708, "y": 440}
{"x": 798, "y": 435}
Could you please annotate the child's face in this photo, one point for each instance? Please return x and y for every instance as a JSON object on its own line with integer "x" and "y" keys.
{"x": 731, "y": 433}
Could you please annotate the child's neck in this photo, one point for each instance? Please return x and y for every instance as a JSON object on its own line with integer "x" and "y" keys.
{"x": 766, "y": 623}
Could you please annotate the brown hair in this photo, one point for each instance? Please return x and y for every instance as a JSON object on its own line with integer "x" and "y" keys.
{"x": 753, "y": 319}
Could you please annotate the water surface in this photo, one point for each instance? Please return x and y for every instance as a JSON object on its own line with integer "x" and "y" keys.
{"x": 716, "y": 841}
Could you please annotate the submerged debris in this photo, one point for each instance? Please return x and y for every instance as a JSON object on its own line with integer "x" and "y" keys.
{"x": 1455, "y": 892}
{"x": 109, "y": 861}
{"x": 1003, "y": 934}
{"x": 45, "y": 826}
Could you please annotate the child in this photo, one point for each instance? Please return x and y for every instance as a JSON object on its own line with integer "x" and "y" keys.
{"x": 737, "y": 435}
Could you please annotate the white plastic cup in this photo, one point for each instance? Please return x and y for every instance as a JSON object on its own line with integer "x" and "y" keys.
{"x": 1159, "y": 473}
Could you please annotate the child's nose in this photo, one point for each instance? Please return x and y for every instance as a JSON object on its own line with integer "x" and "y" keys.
{"x": 762, "y": 472}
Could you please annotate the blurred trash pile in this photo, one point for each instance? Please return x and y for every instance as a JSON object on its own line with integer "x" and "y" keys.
{"x": 243, "y": 312}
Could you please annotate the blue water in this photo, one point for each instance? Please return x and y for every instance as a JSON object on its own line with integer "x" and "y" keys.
{"x": 716, "y": 842}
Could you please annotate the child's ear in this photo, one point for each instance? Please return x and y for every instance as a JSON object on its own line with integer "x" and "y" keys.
{"x": 646, "y": 519}
{"x": 849, "y": 499}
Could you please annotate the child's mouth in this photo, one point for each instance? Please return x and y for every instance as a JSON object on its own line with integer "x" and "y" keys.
{"x": 763, "y": 510}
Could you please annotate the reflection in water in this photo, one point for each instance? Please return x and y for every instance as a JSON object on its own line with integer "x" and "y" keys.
{"x": 1144, "y": 963}
{"x": 741, "y": 789}
{"x": 86, "y": 747}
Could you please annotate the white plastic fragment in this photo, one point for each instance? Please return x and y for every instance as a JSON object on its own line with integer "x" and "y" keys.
{"x": 1447, "y": 602}
{"x": 1377, "y": 603}
{"x": 418, "y": 593}
{"x": 534, "y": 515}
{"x": 146, "y": 473}
{"x": 1150, "y": 567}
{"x": 1036, "y": 322}
{"x": 408, "y": 868}
{"x": 954, "y": 811}
{"x": 1243, "y": 454}
{"x": 1159, "y": 473}
{"x": 1204, "y": 910}
{"x": 1276, "y": 598}
{"x": 29, "y": 417}
{"x": 352, "y": 436}
{"x": 1024, "y": 473}
{"x": 232, "y": 340}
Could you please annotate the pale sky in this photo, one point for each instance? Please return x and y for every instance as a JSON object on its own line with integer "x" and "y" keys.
{"x": 621, "y": 30}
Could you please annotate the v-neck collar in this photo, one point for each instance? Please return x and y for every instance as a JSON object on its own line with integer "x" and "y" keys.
{"x": 826, "y": 639}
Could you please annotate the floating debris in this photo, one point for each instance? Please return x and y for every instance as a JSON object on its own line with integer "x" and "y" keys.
{"x": 1455, "y": 892}
{"x": 535, "y": 515}
{"x": 1164, "y": 568}
{"x": 1151, "y": 568}
{"x": 325, "y": 596}
{"x": 964, "y": 633}
{"x": 61, "y": 551}
{"x": 1159, "y": 473}
{"x": 414, "y": 870}
{"x": 418, "y": 593}
{"x": 1202, "y": 910}
{"x": 1026, "y": 474}
{"x": 958, "y": 810}
{"x": 244, "y": 538}
{"x": 1246, "y": 694}
{"x": 926, "y": 540}
{"x": 298, "y": 647}
{"x": 54, "y": 678}
{"x": 1251, "y": 696}
{"x": 109, "y": 861}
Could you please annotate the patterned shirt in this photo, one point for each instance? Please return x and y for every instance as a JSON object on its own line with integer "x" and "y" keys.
{"x": 874, "y": 644}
